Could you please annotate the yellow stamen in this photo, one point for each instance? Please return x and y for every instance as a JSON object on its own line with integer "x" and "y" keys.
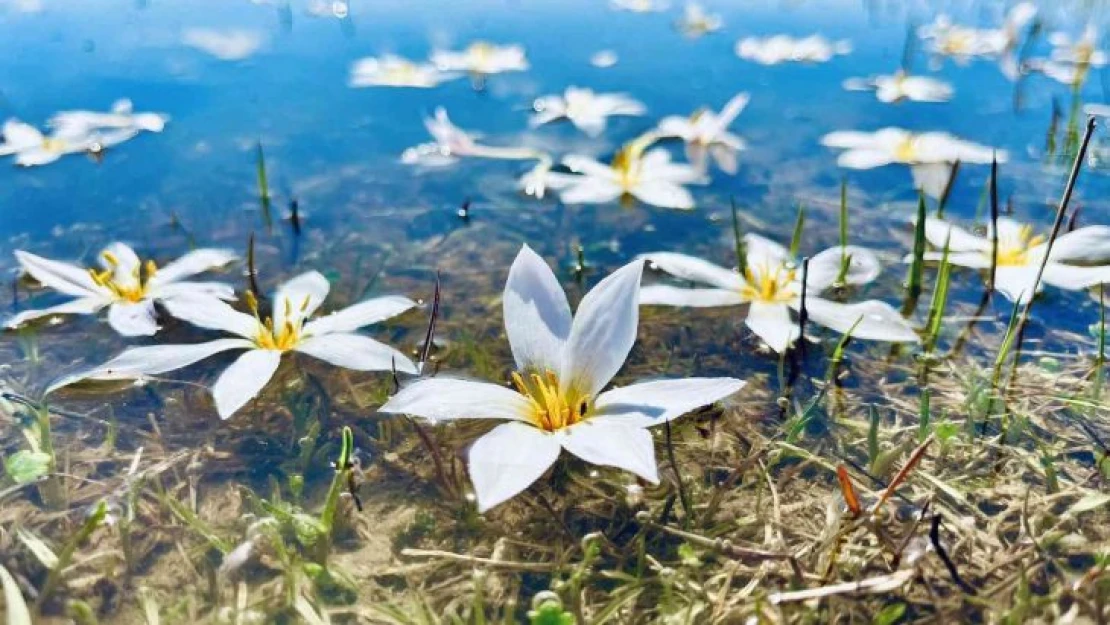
{"x": 552, "y": 409}
{"x": 1014, "y": 251}
{"x": 769, "y": 285}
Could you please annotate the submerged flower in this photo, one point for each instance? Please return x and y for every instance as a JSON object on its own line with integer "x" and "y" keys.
{"x": 706, "y": 134}
{"x": 647, "y": 175}
{"x": 901, "y": 86}
{"x": 1079, "y": 259}
{"x": 562, "y": 365}
{"x": 772, "y": 285}
{"x": 393, "y": 71}
{"x": 482, "y": 58}
{"x": 330, "y": 338}
{"x": 588, "y": 111}
{"x": 124, "y": 284}
{"x": 696, "y": 22}
{"x": 783, "y": 48}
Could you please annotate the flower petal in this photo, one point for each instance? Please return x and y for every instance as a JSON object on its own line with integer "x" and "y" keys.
{"x": 651, "y": 403}
{"x": 124, "y": 264}
{"x": 589, "y": 167}
{"x": 590, "y": 191}
{"x": 133, "y": 318}
{"x": 244, "y": 380}
{"x": 931, "y": 178}
{"x": 666, "y": 295}
{"x": 508, "y": 460}
{"x": 759, "y": 250}
{"x": 938, "y": 231}
{"x": 212, "y": 314}
{"x": 877, "y": 321}
{"x": 694, "y": 269}
{"x": 603, "y": 331}
{"x": 152, "y": 360}
{"x": 1085, "y": 245}
{"x": 354, "y": 351}
{"x": 62, "y": 277}
{"x": 863, "y": 158}
{"x": 80, "y": 306}
{"x": 772, "y": 323}
{"x": 537, "y": 315}
{"x": 298, "y": 298}
{"x": 612, "y": 445}
{"x": 1016, "y": 282}
{"x": 663, "y": 194}
{"x": 217, "y": 290}
{"x": 359, "y": 315}
{"x": 447, "y": 399}
{"x": 191, "y": 264}
{"x": 824, "y": 267}
{"x": 1075, "y": 277}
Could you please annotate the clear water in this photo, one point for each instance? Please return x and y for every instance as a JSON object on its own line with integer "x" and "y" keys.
{"x": 335, "y": 150}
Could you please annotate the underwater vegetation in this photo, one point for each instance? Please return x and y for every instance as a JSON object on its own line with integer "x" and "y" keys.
{"x": 616, "y": 366}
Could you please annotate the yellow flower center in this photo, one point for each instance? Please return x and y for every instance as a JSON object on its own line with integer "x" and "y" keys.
{"x": 552, "y": 409}
{"x": 956, "y": 43}
{"x": 283, "y": 338}
{"x": 402, "y": 71}
{"x": 54, "y": 146}
{"x": 906, "y": 151}
{"x": 769, "y": 285}
{"x": 133, "y": 290}
{"x": 1013, "y": 251}
{"x": 480, "y": 53}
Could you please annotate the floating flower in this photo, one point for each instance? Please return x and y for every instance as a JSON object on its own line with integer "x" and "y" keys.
{"x": 449, "y": 142}
{"x": 563, "y": 363}
{"x": 1079, "y": 259}
{"x": 647, "y": 175}
{"x": 638, "y": 6}
{"x": 706, "y": 134}
{"x": 961, "y": 42}
{"x": 482, "y": 58}
{"x": 330, "y": 338}
{"x": 783, "y": 48}
{"x": 1071, "y": 61}
{"x": 106, "y": 129}
{"x": 901, "y": 86}
{"x": 588, "y": 111}
{"x": 696, "y": 22}
{"x": 32, "y": 148}
{"x": 603, "y": 59}
{"x": 226, "y": 45}
{"x": 772, "y": 285}
{"x": 124, "y": 285}
{"x": 393, "y": 71}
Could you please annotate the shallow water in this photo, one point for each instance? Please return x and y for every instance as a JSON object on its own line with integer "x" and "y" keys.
{"x": 375, "y": 225}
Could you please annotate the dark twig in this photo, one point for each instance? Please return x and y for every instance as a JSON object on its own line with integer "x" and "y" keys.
{"x": 677, "y": 474}
{"x": 252, "y": 273}
{"x": 994, "y": 223}
{"x": 934, "y": 537}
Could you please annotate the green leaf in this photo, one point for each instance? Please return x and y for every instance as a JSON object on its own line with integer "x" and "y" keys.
{"x": 890, "y": 614}
{"x": 26, "y": 466}
{"x": 550, "y": 613}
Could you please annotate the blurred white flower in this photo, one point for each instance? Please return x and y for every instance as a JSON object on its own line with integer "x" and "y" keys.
{"x": 706, "y": 134}
{"x": 124, "y": 284}
{"x": 695, "y": 22}
{"x": 226, "y": 45}
{"x": 451, "y": 142}
{"x": 563, "y": 363}
{"x": 1071, "y": 61}
{"x": 772, "y": 286}
{"x": 603, "y": 59}
{"x": 901, "y": 86}
{"x": 647, "y": 175}
{"x": 121, "y": 121}
{"x": 482, "y": 58}
{"x": 963, "y": 43}
{"x": 639, "y": 6}
{"x": 32, "y": 148}
{"x": 588, "y": 111}
{"x": 784, "y": 48}
{"x": 393, "y": 71}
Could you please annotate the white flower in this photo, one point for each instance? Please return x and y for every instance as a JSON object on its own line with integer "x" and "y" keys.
{"x": 1071, "y": 61}
{"x": 963, "y": 42}
{"x": 449, "y": 143}
{"x": 771, "y": 284}
{"x": 782, "y": 48}
{"x": 226, "y": 45}
{"x": 562, "y": 366}
{"x": 482, "y": 58}
{"x": 588, "y": 111}
{"x": 32, "y": 148}
{"x": 603, "y": 59}
{"x": 125, "y": 285}
{"x": 330, "y": 338}
{"x": 696, "y": 22}
{"x": 900, "y": 86}
{"x": 638, "y": 6}
{"x": 1020, "y": 253}
{"x": 394, "y": 71}
{"x": 120, "y": 123}
{"x": 706, "y": 134}
{"x": 648, "y": 176}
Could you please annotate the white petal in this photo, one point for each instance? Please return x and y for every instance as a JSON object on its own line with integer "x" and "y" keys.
{"x": 694, "y": 269}
{"x": 537, "y": 315}
{"x": 127, "y": 265}
{"x": 354, "y": 351}
{"x": 612, "y": 445}
{"x": 923, "y": 89}
{"x": 725, "y": 157}
{"x": 589, "y": 167}
{"x": 603, "y": 332}
{"x": 971, "y": 260}
{"x": 931, "y": 178}
{"x": 244, "y": 380}
{"x": 937, "y": 231}
{"x": 862, "y": 158}
{"x": 212, "y": 314}
{"x": 62, "y": 277}
{"x": 1016, "y": 282}
{"x": 80, "y": 306}
{"x": 666, "y": 295}
{"x": 216, "y": 290}
{"x": 508, "y": 460}
{"x": 591, "y": 191}
{"x": 446, "y": 399}
{"x": 663, "y": 194}
{"x": 133, "y": 318}
{"x": 651, "y": 403}
{"x": 359, "y": 315}
{"x": 732, "y": 109}
{"x": 1074, "y": 277}
{"x": 877, "y": 320}
{"x": 191, "y": 264}
{"x": 772, "y": 323}
{"x": 675, "y": 126}
{"x": 152, "y": 360}
{"x": 592, "y": 125}
{"x": 824, "y": 267}
{"x": 18, "y": 137}
{"x": 36, "y": 157}
{"x": 1085, "y": 245}
{"x": 298, "y": 298}
{"x": 759, "y": 250}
